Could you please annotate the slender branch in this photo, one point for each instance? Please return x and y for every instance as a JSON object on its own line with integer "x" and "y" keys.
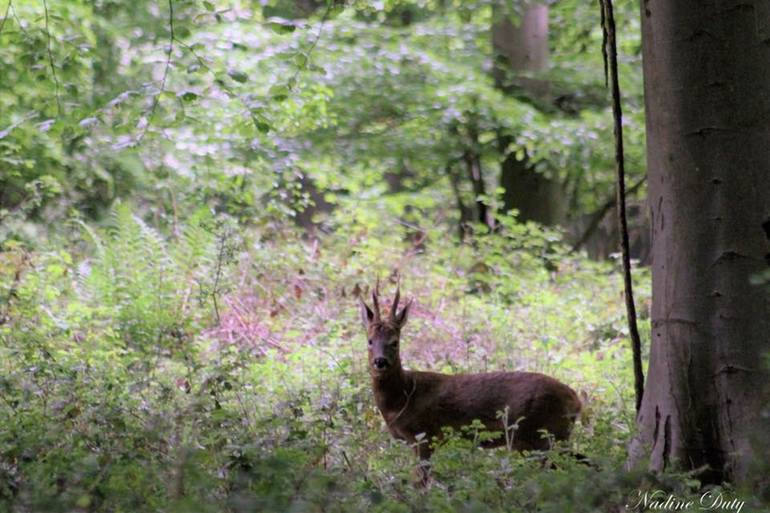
{"x": 192, "y": 51}
{"x": 18, "y": 21}
{"x": 605, "y": 41}
{"x": 599, "y": 214}
{"x": 608, "y": 29}
{"x": 324, "y": 17}
{"x": 50, "y": 57}
{"x": 218, "y": 275}
{"x": 5, "y": 16}
{"x": 169, "y": 54}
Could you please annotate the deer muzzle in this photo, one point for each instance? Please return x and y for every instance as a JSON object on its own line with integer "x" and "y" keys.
{"x": 380, "y": 363}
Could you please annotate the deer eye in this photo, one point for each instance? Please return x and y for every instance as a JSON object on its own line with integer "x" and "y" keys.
{"x": 393, "y": 343}
{"x": 370, "y": 341}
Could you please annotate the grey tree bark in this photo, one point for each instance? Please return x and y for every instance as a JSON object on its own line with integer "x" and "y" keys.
{"x": 707, "y": 94}
{"x": 524, "y": 44}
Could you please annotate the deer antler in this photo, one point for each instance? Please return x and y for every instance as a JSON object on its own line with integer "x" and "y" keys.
{"x": 376, "y": 301}
{"x": 394, "y": 308}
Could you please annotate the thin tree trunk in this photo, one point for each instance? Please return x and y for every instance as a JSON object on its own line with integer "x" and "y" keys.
{"x": 473, "y": 167}
{"x": 472, "y": 160}
{"x": 466, "y": 215}
{"x": 707, "y": 95}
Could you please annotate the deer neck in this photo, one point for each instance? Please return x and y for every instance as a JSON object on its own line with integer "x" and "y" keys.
{"x": 392, "y": 390}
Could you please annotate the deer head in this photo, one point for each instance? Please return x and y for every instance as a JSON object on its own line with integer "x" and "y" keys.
{"x": 383, "y": 334}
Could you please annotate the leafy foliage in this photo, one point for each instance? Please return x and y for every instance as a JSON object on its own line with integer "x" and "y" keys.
{"x": 121, "y": 391}
{"x": 303, "y": 113}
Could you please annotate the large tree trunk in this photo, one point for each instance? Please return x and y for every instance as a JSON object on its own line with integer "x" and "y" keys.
{"x": 523, "y": 50}
{"x": 535, "y": 196}
{"x": 707, "y": 92}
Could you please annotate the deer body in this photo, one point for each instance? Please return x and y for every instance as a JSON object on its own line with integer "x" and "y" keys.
{"x": 415, "y": 402}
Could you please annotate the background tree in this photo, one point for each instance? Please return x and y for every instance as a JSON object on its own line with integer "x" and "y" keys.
{"x": 521, "y": 50}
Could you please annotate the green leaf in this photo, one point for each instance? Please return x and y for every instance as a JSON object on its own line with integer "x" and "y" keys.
{"x": 238, "y": 76}
{"x": 279, "y": 92}
{"x": 209, "y": 6}
{"x": 281, "y": 25}
{"x": 261, "y": 123}
{"x": 300, "y": 60}
{"x": 187, "y": 96}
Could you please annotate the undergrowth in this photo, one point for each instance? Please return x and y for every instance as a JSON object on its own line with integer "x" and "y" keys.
{"x": 223, "y": 369}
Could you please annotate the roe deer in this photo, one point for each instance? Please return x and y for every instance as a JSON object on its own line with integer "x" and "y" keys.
{"x": 415, "y": 402}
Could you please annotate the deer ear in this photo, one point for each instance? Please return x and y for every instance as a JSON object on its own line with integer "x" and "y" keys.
{"x": 403, "y": 314}
{"x": 367, "y": 316}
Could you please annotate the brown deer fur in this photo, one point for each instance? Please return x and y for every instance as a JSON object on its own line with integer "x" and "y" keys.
{"x": 415, "y": 402}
